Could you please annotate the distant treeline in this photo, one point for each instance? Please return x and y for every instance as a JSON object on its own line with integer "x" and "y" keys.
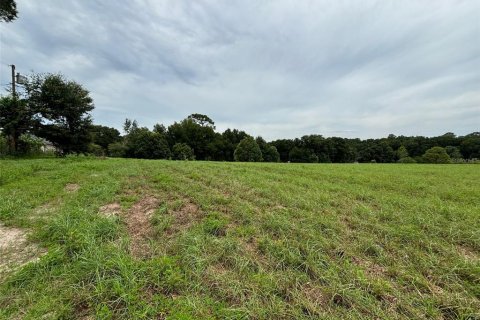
{"x": 52, "y": 114}
{"x": 195, "y": 138}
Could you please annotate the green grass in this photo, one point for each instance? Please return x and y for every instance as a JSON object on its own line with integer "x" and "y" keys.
{"x": 244, "y": 241}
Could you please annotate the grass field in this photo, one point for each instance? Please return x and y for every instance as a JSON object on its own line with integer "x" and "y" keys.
{"x": 130, "y": 239}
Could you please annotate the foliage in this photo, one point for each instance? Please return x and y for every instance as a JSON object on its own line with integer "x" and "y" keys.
{"x": 436, "y": 155}
{"x": 402, "y": 152}
{"x": 8, "y": 10}
{"x": 96, "y": 150}
{"x": 16, "y": 118}
{"x": 30, "y": 144}
{"x": 302, "y": 155}
{"x": 103, "y": 136}
{"x": 196, "y": 131}
{"x": 248, "y": 151}
{"x": 143, "y": 143}
{"x": 453, "y": 152}
{"x": 63, "y": 107}
{"x": 182, "y": 151}
{"x": 117, "y": 150}
{"x": 202, "y": 120}
{"x": 470, "y": 146}
{"x": 270, "y": 154}
{"x": 3, "y": 145}
{"x": 406, "y": 160}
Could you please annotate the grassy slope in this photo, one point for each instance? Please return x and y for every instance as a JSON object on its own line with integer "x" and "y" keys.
{"x": 268, "y": 241}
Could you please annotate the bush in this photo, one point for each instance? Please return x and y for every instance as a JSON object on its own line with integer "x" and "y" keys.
{"x": 182, "y": 151}
{"x": 117, "y": 150}
{"x": 95, "y": 149}
{"x": 407, "y": 160}
{"x": 3, "y": 146}
{"x": 28, "y": 144}
{"x": 248, "y": 151}
{"x": 436, "y": 155}
{"x": 270, "y": 154}
{"x": 145, "y": 144}
{"x": 302, "y": 155}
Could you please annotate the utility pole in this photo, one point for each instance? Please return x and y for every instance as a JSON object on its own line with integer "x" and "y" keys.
{"x": 13, "y": 81}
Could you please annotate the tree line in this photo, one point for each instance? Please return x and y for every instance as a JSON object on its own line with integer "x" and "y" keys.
{"x": 55, "y": 111}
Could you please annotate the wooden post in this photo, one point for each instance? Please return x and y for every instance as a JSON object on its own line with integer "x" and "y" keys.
{"x": 13, "y": 81}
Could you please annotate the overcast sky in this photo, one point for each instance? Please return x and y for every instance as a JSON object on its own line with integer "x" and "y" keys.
{"x": 279, "y": 69}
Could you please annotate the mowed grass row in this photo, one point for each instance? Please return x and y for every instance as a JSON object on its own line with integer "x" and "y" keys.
{"x": 209, "y": 240}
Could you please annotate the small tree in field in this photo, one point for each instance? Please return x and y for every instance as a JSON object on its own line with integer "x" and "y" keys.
{"x": 248, "y": 151}
{"x": 182, "y": 151}
{"x": 436, "y": 155}
{"x": 270, "y": 154}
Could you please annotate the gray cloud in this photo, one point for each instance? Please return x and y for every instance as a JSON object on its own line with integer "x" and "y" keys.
{"x": 273, "y": 68}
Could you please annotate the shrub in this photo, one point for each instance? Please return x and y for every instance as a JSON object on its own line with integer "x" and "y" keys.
{"x": 270, "y": 154}
{"x": 3, "y": 146}
{"x": 407, "y": 160}
{"x": 117, "y": 150}
{"x": 248, "y": 151}
{"x": 302, "y": 155}
{"x": 436, "y": 155}
{"x": 182, "y": 151}
{"x": 95, "y": 149}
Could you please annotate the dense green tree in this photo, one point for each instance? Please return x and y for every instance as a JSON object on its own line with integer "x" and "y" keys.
{"x": 129, "y": 125}
{"x": 8, "y": 10}
{"x": 453, "y": 152}
{"x": 270, "y": 154}
{"x": 63, "y": 107}
{"x": 182, "y": 151}
{"x": 376, "y": 151}
{"x": 117, "y": 150}
{"x": 284, "y": 146}
{"x": 402, "y": 152}
{"x": 248, "y": 151}
{"x": 470, "y": 146}
{"x": 143, "y": 143}
{"x": 229, "y": 141}
{"x": 436, "y": 155}
{"x": 302, "y": 155}
{"x": 407, "y": 160}
{"x": 202, "y": 120}
{"x": 16, "y": 118}
{"x": 103, "y": 136}
{"x": 197, "y": 132}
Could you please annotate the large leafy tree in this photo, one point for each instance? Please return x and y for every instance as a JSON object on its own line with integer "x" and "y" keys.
{"x": 197, "y": 131}
{"x": 436, "y": 155}
{"x": 16, "y": 118}
{"x": 63, "y": 107}
{"x": 248, "y": 151}
{"x": 8, "y": 10}
{"x": 470, "y": 146}
{"x": 143, "y": 143}
{"x": 103, "y": 135}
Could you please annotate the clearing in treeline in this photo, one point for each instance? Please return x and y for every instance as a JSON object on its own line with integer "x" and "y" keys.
{"x": 85, "y": 238}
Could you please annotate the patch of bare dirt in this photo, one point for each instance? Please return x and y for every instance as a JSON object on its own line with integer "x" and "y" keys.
{"x": 15, "y": 250}
{"x": 468, "y": 254}
{"x": 139, "y": 226}
{"x": 313, "y": 299}
{"x": 370, "y": 268}
{"x": 72, "y": 187}
{"x": 44, "y": 210}
{"x": 184, "y": 217}
{"x": 111, "y": 209}
{"x": 251, "y": 249}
